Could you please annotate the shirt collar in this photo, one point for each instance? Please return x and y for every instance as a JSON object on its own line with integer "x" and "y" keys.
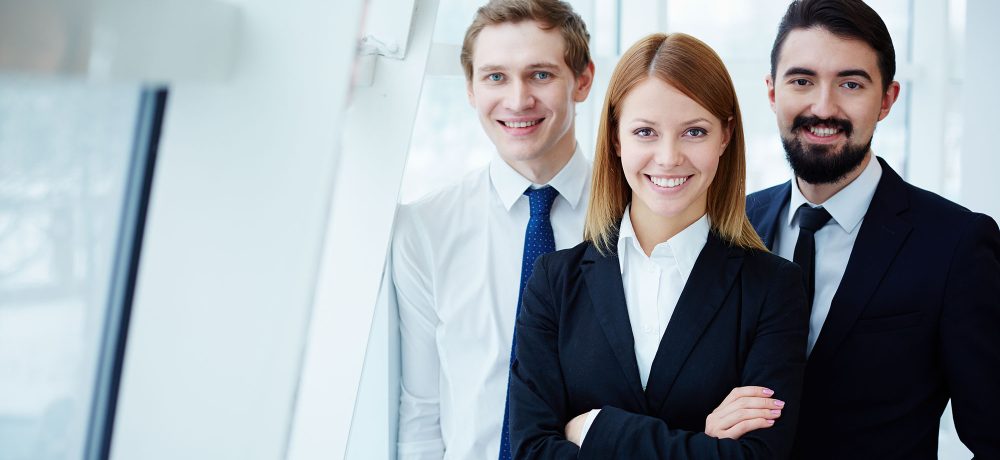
{"x": 685, "y": 246}
{"x": 570, "y": 182}
{"x": 849, "y": 205}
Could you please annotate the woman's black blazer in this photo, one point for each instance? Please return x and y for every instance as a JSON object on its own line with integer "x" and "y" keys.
{"x": 741, "y": 320}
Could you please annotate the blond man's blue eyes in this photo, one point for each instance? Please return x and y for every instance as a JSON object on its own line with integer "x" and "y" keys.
{"x": 498, "y": 77}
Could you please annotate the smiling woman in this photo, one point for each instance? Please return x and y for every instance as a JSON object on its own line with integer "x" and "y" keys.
{"x": 669, "y": 158}
{"x": 641, "y": 331}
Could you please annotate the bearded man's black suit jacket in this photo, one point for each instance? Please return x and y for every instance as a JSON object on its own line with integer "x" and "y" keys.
{"x": 914, "y": 322}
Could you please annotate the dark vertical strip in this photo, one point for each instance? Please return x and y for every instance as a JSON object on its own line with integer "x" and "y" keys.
{"x": 125, "y": 272}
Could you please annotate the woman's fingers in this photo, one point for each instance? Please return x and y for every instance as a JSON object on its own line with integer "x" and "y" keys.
{"x": 747, "y": 426}
{"x": 745, "y": 409}
{"x": 748, "y": 391}
{"x": 732, "y": 419}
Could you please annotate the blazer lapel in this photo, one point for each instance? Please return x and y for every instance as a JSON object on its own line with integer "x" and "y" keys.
{"x": 880, "y": 237}
{"x": 764, "y": 208}
{"x": 706, "y": 290}
{"x": 604, "y": 283}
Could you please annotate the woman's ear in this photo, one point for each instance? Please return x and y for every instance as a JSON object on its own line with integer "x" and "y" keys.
{"x": 727, "y": 134}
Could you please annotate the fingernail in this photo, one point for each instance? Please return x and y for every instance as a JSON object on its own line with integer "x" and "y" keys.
{"x": 770, "y": 422}
{"x": 768, "y": 391}
{"x": 775, "y": 411}
{"x": 779, "y": 403}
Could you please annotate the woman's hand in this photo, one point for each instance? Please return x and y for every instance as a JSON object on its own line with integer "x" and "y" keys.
{"x": 744, "y": 410}
{"x": 574, "y": 429}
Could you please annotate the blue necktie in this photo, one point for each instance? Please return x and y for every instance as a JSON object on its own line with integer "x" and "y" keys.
{"x": 538, "y": 240}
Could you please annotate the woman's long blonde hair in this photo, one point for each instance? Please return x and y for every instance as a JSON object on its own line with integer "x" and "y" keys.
{"x": 692, "y": 67}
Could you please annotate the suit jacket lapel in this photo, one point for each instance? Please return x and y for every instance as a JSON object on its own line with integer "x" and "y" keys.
{"x": 607, "y": 294}
{"x": 706, "y": 290}
{"x": 880, "y": 237}
{"x": 764, "y": 210}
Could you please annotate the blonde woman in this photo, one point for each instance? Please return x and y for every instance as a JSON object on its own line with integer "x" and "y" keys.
{"x": 629, "y": 342}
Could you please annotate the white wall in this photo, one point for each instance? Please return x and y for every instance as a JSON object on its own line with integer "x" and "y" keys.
{"x": 233, "y": 240}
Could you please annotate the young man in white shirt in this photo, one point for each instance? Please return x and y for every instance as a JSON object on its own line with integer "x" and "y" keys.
{"x": 459, "y": 255}
{"x": 904, "y": 285}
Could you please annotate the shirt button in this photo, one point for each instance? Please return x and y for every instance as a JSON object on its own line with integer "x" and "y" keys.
{"x": 647, "y": 329}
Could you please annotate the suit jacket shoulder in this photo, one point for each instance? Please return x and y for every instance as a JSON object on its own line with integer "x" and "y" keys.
{"x": 565, "y": 260}
{"x": 763, "y": 198}
{"x": 924, "y": 210}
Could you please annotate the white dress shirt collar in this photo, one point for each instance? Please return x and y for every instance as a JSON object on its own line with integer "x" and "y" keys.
{"x": 849, "y": 205}
{"x": 684, "y": 246}
{"x": 569, "y": 182}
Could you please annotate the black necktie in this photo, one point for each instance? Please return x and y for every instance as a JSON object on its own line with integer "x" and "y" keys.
{"x": 810, "y": 220}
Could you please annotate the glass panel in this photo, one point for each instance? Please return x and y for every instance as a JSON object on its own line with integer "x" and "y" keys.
{"x": 65, "y": 158}
{"x": 448, "y": 140}
{"x": 952, "y": 179}
{"x": 452, "y": 19}
{"x": 740, "y": 29}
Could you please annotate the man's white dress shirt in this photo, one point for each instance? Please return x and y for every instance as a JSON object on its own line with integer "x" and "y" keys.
{"x": 834, "y": 241}
{"x": 456, "y": 267}
{"x": 653, "y": 285}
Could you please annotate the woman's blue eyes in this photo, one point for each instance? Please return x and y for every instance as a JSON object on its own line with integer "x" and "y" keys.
{"x": 696, "y": 132}
{"x": 643, "y": 132}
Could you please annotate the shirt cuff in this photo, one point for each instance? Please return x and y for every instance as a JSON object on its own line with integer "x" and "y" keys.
{"x": 586, "y": 424}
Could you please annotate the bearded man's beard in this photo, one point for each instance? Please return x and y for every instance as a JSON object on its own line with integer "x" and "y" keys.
{"x": 821, "y": 164}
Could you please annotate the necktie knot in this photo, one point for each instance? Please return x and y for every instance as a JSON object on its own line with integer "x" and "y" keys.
{"x": 811, "y": 218}
{"x": 541, "y": 200}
